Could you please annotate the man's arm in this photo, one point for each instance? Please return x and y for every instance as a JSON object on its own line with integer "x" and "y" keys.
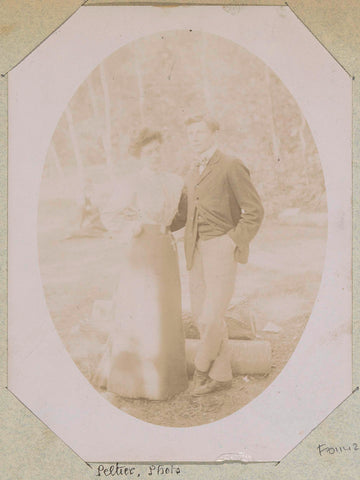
{"x": 179, "y": 220}
{"x": 249, "y": 202}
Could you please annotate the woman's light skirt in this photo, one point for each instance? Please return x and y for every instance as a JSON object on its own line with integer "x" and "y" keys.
{"x": 145, "y": 353}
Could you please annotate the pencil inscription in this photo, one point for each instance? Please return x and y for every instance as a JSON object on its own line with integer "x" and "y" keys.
{"x": 118, "y": 470}
{"x": 324, "y": 449}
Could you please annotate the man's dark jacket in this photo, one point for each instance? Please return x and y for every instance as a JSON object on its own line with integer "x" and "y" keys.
{"x": 225, "y": 200}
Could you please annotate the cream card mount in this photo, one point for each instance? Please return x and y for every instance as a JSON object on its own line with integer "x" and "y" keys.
{"x": 74, "y": 104}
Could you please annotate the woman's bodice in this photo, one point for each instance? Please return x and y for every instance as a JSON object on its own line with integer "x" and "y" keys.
{"x": 148, "y": 197}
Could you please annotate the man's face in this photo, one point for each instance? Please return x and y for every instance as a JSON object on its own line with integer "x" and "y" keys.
{"x": 201, "y": 138}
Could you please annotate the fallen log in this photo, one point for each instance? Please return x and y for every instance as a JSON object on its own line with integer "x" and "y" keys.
{"x": 248, "y": 357}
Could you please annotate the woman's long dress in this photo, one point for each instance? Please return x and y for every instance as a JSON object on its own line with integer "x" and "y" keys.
{"x": 145, "y": 352}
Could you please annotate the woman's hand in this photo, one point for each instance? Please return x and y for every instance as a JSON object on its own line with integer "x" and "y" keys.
{"x": 137, "y": 229}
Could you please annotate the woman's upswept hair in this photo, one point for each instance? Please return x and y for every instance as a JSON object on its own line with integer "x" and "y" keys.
{"x": 212, "y": 124}
{"x": 145, "y": 136}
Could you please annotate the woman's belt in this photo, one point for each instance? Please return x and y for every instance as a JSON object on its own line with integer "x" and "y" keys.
{"x": 155, "y": 228}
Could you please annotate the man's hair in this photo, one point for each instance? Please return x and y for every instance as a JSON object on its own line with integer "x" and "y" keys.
{"x": 211, "y": 123}
{"x": 145, "y": 136}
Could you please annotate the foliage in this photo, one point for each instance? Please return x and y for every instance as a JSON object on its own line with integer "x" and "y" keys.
{"x": 159, "y": 80}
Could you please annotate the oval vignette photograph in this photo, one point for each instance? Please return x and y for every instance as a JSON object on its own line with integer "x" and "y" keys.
{"x": 182, "y": 227}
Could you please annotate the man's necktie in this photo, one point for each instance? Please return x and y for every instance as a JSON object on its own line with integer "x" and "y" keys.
{"x": 201, "y": 164}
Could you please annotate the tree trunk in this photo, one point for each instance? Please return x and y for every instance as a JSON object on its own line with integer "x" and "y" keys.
{"x": 140, "y": 82}
{"x": 107, "y": 133}
{"x": 97, "y": 116}
{"x": 56, "y": 160}
{"x": 92, "y": 96}
{"x": 302, "y": 127}
{"x": 274, "y": 138}
{"x": 204, "y": 73}
{"x": 79, "y": 163}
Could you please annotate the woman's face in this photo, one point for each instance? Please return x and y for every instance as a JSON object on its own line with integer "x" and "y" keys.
{"x": 151, "y": 155}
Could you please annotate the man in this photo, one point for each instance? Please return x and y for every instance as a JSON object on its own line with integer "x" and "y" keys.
{"x": 222, "y": 212}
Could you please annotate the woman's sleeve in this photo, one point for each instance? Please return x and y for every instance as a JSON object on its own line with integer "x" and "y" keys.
{"x": 179, "y": 219}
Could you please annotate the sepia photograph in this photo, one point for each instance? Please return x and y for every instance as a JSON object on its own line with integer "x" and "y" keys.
{"x": 182, "y": 227}
{"x": 180, "y": 233}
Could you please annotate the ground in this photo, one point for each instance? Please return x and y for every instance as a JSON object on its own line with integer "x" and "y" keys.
{"x": 279, "y": 285}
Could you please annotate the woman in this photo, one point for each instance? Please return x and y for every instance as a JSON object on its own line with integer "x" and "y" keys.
{"x": 145, "y": 352}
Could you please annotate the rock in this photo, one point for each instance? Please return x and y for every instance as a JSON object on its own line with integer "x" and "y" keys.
{"x": 272, "y": 328}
